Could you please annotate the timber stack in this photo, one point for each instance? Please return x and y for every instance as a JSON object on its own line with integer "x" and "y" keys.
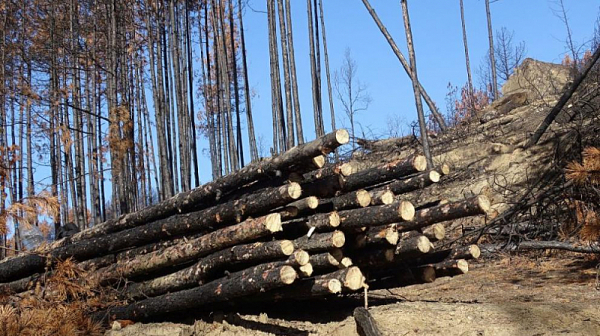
{"x": 283, "y": 228}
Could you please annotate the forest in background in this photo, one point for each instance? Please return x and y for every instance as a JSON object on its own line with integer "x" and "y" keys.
{"x": 107, "y": 98}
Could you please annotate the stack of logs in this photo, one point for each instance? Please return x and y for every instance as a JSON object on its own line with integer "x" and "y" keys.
{"x": 287, "y": 227}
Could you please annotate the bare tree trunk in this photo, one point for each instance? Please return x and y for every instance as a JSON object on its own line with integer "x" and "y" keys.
{"x": 286, "y": 75}
{"x": 327, "y": 72}
{"x": 319, "y": 131}
{"x": 236, "y": 93}
{"x": 468, "y": 63}
{"x": 415, "y": 81}
{"x": 192, "y": 111}
{"x": 279, "y": 118}
{"x": 295, "y": 96}
{"x": 436, "y": 114}
{"x": 249, "y": 121}
{"x": 492, "y": 58}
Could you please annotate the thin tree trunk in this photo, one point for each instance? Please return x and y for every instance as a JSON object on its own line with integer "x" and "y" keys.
{"x": 295, "y": 96}
{"x": 236, "y": 88}
{"x": 436, "y": 114}
{"x": 286, "y": 75}
{"x": 313, "y": 70}
{"x": 415, "y": 81}
{"x": 249, "y": 121}
{"x": 468, "y": 63}
{"x": 327, "y": 72}
{"x": 492, "y": 58}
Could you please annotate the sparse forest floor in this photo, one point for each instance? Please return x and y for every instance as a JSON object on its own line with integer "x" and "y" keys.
{"x": 514, "y": 295}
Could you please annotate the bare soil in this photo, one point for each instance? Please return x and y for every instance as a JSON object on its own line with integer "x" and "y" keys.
{"x": 510, "y": 296}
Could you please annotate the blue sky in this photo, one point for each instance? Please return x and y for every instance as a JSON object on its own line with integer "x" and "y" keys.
{"x": 438, "y": 43}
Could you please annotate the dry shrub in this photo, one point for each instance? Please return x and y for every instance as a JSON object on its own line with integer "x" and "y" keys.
{"x": 586, "y": 176}
{"x": 60, "y": 304}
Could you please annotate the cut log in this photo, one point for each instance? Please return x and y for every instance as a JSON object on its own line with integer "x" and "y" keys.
{"x": 381, "y": 197}
{"x": 205, "y": 195}
{"x": 380, "y": 235}
{"x": 244, "y": 283}
{"x": 305, "y": 271}
{"x": 435, "y": 232}
{"x": 478, "y": 205}
{"x": 451, "y": 267}
{"x": 321, "y": 241}
{"x": 366, "y": 323}
{"x": 443, "y": 169}
{"x": 288, "y": 213}
{"x": 327, "y": 261}
{"x": 209, "y": 266}
{"x": 377, "y": 215}
{"x": 248, "y": 230}
{"x": 320, "y": 222}
{"x": 355, "y": 199}
{"x": 413, "y": 246}
{"x": 344, "y": 169}
{"x": 206, "y": 220}
{"x": 299, "y": 258}
{"x": 392, "y": 170}
{"x": 374, "y": 258}
{"x": 323, "y": 188}
{"x": 306, "y": 204}
{"x": 432, "y": 204}
{"x": 399, "y": 187}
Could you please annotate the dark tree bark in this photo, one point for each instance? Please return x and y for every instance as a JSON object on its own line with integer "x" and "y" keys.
{"x": 467, "y": 62}
{"x": 478, "y": 205}
{"x": 365, "y": 322}
{"x": 244, "y": 283}
{"x": 416, "y": 87}
{"x": 392, "y": 170}
{"x": 295, "y": 96}
{"x": 210, "y": 266}
{"x": 378, "y": 215}
{"x": 204, "y": 196}
{"x": 494, "y": 82}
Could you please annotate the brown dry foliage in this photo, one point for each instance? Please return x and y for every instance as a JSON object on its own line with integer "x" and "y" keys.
{"x": 586, "y": 175}
{"x": 59, "y": 305}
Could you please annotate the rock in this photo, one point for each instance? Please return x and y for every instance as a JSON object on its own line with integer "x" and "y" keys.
{"x": 539, "y": 79}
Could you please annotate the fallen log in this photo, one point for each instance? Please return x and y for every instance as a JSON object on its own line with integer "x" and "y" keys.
{"x": 386, "y": 172}
{"x": 205, "y": 195}
{"x": 355, "y": 199}
{"x": 323, "y": 188}
{"x": 381, "y": 197}
{"x": 451, "y": 267}
{"x": 206, "y": 220}
{"x": 345, "y": 169}
{"x": 209, "y": 266}
{"x": 327, "y": 261}
{"x": 478, "y": 205}
{"x": 377, "y": 215}
{"x": 379, "y": 235}
{"x": 244, "y": 283}
{"x": 435, "y": 232}
{"x": 318, "y": 222}
{"x": 305, "y": 205}
{"x": 413, "y": 246}
{"x": 423, "y": 180}
{"x": 321, "y": 241}
{"x": 365, "y": 322}
{"x": 248, "y": 230}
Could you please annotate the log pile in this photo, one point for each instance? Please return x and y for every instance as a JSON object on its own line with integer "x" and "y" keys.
{"x": 282, "y": 228}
